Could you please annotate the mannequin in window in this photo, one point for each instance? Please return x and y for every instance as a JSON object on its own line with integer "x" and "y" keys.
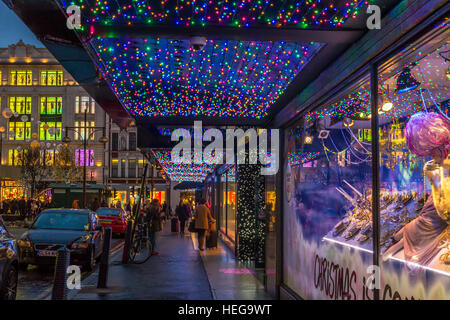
{"x": 428, "y": 134}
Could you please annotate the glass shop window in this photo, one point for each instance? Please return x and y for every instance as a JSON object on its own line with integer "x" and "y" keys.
{"x": 20, "y": 105}
{"x": 328, "y": 198}
{"x": 51, "y": 105}
{"x": 414, "y": 176}
{"x": 51, "y": 78}
{"x": 20, "y": 78}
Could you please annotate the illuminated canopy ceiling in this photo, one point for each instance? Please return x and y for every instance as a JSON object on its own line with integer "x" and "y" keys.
{"x": 156, "y": 73}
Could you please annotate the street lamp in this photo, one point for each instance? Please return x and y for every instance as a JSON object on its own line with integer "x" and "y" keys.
{"x": 86, "y": 137}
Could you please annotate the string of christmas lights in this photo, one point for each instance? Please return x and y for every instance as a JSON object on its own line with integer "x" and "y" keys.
{"x": 164, "y": 78}
{"x": 299, "y": 158}
{"x": 182, "y": 172}
{"x": 430, "y": 70}
{"x": 203, "y": 13}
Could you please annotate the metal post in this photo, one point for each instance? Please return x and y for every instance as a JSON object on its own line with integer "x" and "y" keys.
{"x": 104, "y": 260}
{"x": 60, "y": 278}
{"x": 127, "y": 244}
{"x": 84, "y": 160}
{"x": 375, "y": 173}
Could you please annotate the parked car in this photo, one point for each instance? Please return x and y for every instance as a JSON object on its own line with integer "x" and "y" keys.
{"x": 9, "y": 263}
{"x": 117, "y": 219}
{"x": 77, "y": 229}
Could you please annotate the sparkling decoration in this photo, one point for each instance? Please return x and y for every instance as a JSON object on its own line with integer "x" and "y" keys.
{"x": 202, "y": 13}
{"x": 251, "y": 229}
{"x": 167, "y": 78}
{"x": 182, "y": 172}
{"x": 428, "y": 69}
{"x": 298, "y": 158}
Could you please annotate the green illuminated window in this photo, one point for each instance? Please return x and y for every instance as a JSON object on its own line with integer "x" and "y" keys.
{"x": 50, "y": 131}
{"x": 18, "y": 130}
{"x": 51, "y": 78}
{"x": 21, "y": 78}
{"x": 51, "y": 105}
{"x": 21, "y": 105}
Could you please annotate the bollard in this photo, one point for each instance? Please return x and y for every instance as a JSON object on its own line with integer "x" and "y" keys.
{"x": 127, "y": 244}
{"x": 60, "y": 278}
{"x": 104, "y": 260}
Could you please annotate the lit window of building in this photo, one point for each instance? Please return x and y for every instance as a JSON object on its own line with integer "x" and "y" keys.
{"x": 50, "y": 131}
{"x": 82, "y": 129}
{"x": 80, "y": 157}
{"x": 21, "y": 105}
{"x": 18, "y": 130}
{"x": 83, "y": 104}
{"x": 51, "y": 78}
{"x": 14, "y": 157}
{"x": 48, "y": 157}
{"x": 51, "y": 105}
{"x": 115, "y": 168}
{"x": 21, "y": 78}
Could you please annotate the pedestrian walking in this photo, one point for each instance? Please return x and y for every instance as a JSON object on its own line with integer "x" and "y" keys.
{"x": 182, "y": 214}
{"x": 202, "y": 218}
{"x": 153, "y": 213}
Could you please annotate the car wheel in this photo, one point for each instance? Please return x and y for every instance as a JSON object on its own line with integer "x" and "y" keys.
{"x": 9, "y": 289}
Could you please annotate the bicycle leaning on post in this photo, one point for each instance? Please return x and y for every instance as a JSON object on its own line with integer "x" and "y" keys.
{"x": 141, "y": 247}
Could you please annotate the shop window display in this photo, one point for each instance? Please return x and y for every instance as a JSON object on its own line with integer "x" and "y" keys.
{"x": 328, "y": 185}
{"x": 414, "y": 169}
{"x": 328, "y": 199}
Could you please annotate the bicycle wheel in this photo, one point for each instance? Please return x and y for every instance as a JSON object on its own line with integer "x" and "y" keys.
{"x": 141, "y": 249}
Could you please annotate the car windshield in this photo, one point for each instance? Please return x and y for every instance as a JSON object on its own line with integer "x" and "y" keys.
{"x": 108, "y": 212}
{"x": 63, "y": 221}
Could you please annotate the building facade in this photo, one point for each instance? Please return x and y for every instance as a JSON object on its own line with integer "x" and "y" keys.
{"x": 40, "y": 101}
{"x": 126, "y": 167}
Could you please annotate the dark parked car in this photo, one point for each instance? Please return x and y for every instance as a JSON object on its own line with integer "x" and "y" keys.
{"x": 77, "y": 229}
{"x": 9, "y": 264}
